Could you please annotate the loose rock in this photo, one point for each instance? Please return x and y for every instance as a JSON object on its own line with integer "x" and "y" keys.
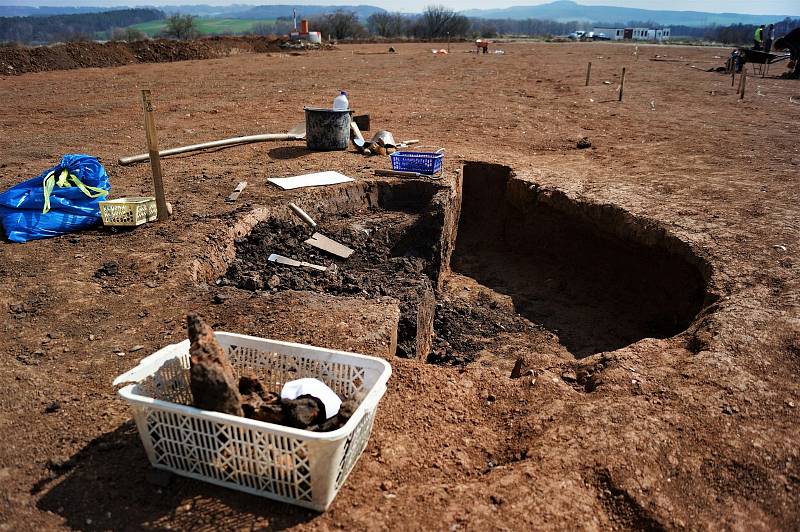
{"x": 213, "y": 384}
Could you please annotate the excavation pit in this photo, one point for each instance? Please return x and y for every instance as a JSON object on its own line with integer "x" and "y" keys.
{"x": 531, "y": 269}
{"x": 595, "y": 275}
{"x": 395, "y": 230}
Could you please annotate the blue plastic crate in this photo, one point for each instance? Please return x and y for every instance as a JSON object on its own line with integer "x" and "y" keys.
{"x": 428, "y": 163}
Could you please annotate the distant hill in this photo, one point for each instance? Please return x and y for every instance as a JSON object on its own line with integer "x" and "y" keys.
{"x": 44, "y": 29}
{"x": 362, "y": 11}
{"x": 567, "y": 10}
{"x": 268, "y": 11}
{"x": 201, "y": 10}
{"x": 47, "y": 11}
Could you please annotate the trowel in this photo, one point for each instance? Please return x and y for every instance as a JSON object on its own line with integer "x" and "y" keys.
{"x": 318, "y": 240}
{"x": 280, "y": 259}
{"x": 324, "y": 243}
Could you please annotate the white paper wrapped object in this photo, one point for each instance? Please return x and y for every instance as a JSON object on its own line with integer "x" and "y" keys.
{"x": 315, "y": 388}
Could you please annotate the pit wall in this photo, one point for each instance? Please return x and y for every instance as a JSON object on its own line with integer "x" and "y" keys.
{"x": 506, "y": 201}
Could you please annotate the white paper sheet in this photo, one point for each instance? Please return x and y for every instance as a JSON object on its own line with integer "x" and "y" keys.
{"x": 310, "y": 180}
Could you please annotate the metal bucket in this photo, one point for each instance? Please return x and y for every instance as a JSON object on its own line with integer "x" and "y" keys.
{"x": 327, "y": 129}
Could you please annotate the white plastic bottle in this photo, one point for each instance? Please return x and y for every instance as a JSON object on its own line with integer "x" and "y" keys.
{"x": 340, "y": 103}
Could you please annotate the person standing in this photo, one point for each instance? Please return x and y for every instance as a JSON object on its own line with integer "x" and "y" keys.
{"x": 769, "y": 36}
{"x": 758, "y": 38}
{"x": 791, "y": 41}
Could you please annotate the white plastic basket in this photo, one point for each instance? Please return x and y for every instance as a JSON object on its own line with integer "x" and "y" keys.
{"x": 286, "y": 464}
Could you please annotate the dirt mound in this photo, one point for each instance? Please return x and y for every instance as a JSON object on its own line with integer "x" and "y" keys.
{"x": 20, "y": 60}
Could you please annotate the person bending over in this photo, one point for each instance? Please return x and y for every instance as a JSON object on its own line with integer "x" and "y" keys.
{"x": 791, "y": 42}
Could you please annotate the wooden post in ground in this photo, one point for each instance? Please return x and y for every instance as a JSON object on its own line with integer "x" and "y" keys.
{"x": 155, "y": 159}
{"x": 733, "y": 76}
{"x": 588, "y": 73}
{"x": 622, "y": 84}
{"x": 448, "y": 42}
{"x": 744, "y": 84}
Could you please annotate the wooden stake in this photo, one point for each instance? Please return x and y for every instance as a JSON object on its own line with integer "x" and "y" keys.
{"x": 733, "y": 76}
{"x": 448, "y": 42}
{"x": 155, "y": 160}
{"x": 622, "y": 84}
{"x": 588, "y": 73}
{"x": 744, "y": 84}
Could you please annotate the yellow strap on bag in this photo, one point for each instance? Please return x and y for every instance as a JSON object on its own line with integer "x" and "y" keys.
{"x": 64, "y": 179}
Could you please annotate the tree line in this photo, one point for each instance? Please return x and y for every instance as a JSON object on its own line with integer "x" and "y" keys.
{"x": 438, "y": 22}
{"x": 735, "y": 33}
{"x": 70, "y": 27}
{"x": 434, "y": 23}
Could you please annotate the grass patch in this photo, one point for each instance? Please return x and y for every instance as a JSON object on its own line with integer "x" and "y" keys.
{"x": 206, "y": 26}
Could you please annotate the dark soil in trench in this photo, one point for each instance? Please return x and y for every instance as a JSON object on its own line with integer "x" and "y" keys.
{"x": 562, "y": 270}
{"x": 381, "y": 265}
{"x": 389, "y": 260}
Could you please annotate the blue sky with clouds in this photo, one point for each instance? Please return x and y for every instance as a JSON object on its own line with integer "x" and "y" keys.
{"x": 758, "y": 7}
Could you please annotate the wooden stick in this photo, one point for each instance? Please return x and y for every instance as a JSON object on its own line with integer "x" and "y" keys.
{"x": 744, "y": 84}
{"x": 356, "y": 131}
{"x": 155, "y": 160}
{"x": 733, "y": 76}
{"x": 124, "y": 161}
{"x": 622, "y": 84}
{"x": 303, "y": 215}
{"x": 588, "y": 73}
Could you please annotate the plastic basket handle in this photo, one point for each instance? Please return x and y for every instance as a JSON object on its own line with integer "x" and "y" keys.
{"x": 418, "y": 149}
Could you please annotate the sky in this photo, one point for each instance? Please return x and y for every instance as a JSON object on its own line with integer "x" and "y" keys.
{"x": 757, "y": 7}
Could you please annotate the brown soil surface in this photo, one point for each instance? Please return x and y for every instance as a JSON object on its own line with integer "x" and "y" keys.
{"x": 642, "y": 410}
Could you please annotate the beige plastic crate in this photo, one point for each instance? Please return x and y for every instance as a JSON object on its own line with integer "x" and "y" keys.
{"x": 274, "y": 461}
{"x": 129, "y": 211}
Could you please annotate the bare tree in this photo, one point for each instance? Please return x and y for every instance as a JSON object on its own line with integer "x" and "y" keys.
{"x": 438, "y": 21}
{"x": 182, "y": 27}
{"x": 127, "y": 34}
{"x": 279, "y": 27}
{"x": 387, "y": 24}
{"x": 339, "y": 25}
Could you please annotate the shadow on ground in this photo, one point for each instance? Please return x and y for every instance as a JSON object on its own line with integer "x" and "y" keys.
{"x": 288, "y": 152}
{"x": 105, "y": 486}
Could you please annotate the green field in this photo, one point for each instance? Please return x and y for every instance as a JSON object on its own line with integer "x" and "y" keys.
{"x": 206, "y": 26}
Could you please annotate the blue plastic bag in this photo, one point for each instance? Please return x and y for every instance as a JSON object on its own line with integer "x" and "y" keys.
{"x": 63, "y": 199}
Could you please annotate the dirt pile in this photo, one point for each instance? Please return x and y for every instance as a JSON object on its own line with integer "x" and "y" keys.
{"x": 463, "y": 328}
{"x": 19, "y": 59}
